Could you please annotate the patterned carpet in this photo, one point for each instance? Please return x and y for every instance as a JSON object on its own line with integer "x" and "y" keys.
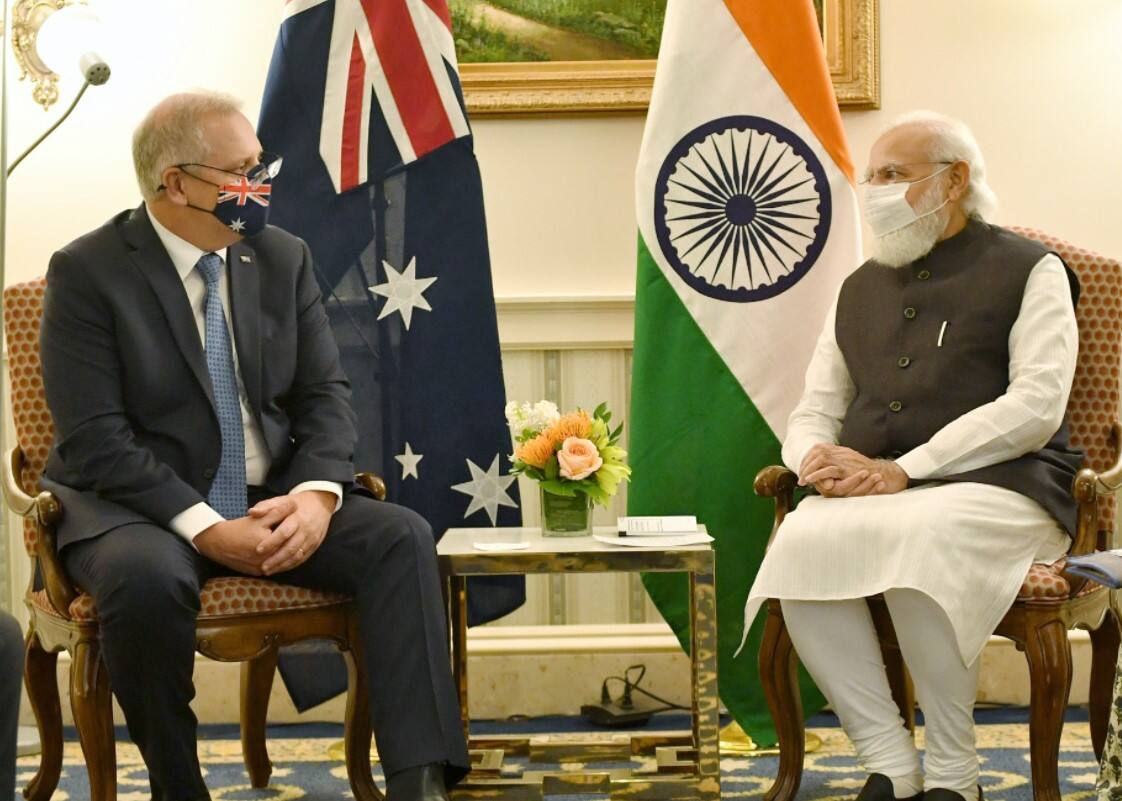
{"x": 306, "y": 765}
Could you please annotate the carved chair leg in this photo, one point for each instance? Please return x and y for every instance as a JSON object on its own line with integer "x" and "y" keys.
{"x": 92, "y": 705}
{"x": 1104, "y": 658}
{"x": 779, "y": 677}
{"x": 357, "y": 731}
{"x": 1049, "y": 661}
{"x": 42, "y": 690}
{"x": 257, "y": 684}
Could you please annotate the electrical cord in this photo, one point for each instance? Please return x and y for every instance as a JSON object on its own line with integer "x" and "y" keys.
{"x": 632, "y": 685}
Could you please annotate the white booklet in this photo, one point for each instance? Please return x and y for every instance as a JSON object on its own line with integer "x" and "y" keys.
{"x": 657, "y": 541}
{"x": 655, "y": 526}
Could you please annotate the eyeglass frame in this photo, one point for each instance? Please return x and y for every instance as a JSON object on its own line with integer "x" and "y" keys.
{"x": 869, "y": 175}
{"x": 268, "y": 167}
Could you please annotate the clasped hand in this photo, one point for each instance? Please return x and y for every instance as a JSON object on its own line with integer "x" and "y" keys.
{"x": 276, "y": 535}
{"x": 840, "y": 472}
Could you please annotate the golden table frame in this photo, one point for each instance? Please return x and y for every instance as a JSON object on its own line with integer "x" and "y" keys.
{"x": 686, "y": 764}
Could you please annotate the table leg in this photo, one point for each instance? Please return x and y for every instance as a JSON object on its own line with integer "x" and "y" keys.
{"x": 703, "y": 665}
{"x": 457, "y": 603}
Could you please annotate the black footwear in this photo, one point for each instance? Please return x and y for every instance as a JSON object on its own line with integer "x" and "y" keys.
{"x": 878, "y": 787}
{"x": 425, "y": 783}
{"x": 943, "y": 794}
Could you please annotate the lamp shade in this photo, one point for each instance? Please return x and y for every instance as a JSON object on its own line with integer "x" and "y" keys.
{"x": 73, "y": 37}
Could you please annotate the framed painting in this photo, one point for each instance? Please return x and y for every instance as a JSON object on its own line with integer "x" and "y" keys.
{"x": 541, "y": 56}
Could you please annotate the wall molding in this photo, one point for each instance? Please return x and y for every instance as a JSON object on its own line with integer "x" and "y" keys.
{"x": 566, "y": 322}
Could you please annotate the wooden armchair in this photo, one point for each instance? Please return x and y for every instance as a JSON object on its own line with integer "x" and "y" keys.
{"x": 1050, "y": 603}
{"x": 241, "y": 620}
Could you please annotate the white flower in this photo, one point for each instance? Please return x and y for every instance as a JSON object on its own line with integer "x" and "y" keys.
{"x": 524, "y": 418}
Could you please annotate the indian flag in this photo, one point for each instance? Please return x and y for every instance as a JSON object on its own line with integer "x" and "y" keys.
{"x": 748, "y": 222}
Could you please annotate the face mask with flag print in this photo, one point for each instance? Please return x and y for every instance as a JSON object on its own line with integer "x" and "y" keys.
{"x": 887, "y": 209}
{"x": 243, "y": 207}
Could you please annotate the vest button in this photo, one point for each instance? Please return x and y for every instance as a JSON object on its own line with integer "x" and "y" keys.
{"x": 896, "y": 454}
{"x": 895, "y": 406}
{"x": 903, "y": 361}
{"x": 924, "y": 275}
{"x": 909, "y": 313}
{"x": 209, "y": 473}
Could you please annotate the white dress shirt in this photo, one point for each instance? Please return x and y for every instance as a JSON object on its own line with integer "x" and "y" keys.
{"x": 1043, "y": 347}
{"x": 184, "y": 256}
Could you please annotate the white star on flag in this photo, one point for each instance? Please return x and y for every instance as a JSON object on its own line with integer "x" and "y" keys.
{"x": 237, "y": 225}
{"x": 403, "y": 292}
{"x": 487, "y": 489}
{"x": 409, "y": 461}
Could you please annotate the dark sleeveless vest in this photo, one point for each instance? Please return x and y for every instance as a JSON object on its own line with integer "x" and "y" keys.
{"x": 888, "y": 328}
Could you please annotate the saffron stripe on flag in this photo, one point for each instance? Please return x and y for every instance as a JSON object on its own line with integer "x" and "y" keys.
{"x": 770, "y": 28}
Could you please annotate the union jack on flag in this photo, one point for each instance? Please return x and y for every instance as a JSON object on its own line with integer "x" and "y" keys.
{"x": 391, "y": 66}
{"x": 244, "y": 192}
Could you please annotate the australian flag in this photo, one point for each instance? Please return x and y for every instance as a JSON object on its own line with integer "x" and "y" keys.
{"x": 363, "y": 101}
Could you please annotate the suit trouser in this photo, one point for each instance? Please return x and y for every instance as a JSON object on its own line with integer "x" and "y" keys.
{"x": 146, "y": 583}
{"x": 11, "y": 675}
{"x": 837, "y": 643}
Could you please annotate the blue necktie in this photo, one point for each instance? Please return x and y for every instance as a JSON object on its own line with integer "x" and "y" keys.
{"x": 227, "y": 494}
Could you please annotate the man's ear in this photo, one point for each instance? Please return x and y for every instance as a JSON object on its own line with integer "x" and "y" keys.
{"x": 959, "y": 180}
{"x": 174, "y": 185}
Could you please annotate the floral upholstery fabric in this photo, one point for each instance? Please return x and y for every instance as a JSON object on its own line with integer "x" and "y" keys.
{"x": 222, "y": 597}
{"x": 1093, "y": 406}
{"x": 23, "y": 308}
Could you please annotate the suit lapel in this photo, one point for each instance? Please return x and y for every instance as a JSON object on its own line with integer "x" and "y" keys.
{"x": 153, "y": 261}
{"x": 243, "y": 273}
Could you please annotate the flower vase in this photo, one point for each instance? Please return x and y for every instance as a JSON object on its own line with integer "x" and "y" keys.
{"x": 565, "y": 516}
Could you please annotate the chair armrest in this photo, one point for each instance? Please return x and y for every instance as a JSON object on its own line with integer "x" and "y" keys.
{"x": 46, "y": 510}
{"x": 373, "y": 484}
{"x": 1110, "y": 481}
{"x": 775, "y": 480}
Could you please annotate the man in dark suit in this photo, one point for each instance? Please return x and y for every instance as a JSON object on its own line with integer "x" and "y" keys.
{"x": 204, "y": 428}
{"x": 11, "y": 673}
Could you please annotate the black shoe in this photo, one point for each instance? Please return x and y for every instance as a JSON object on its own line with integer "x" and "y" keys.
{"x": 425, "y": 783}
{"x": 878, "y": 787}
{"x": 943, "y": 794}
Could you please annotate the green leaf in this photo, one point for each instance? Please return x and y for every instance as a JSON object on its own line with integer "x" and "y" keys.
{"x": 614, "y": 436}
{"x": 552, "y": 468}
{"x": 566, "y": 488}
{"x": 601, "y": 411}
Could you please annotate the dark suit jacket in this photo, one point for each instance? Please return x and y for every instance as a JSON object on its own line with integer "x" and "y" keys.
{"x": 137, "y": 437}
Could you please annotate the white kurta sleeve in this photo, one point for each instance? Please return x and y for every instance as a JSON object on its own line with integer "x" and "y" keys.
{"x": 1043, "y": 347}
{"x": 827, "y": 394}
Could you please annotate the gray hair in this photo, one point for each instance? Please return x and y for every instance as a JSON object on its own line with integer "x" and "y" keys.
{"x": 172, "y": 133}
{"x": 953, "y": 140}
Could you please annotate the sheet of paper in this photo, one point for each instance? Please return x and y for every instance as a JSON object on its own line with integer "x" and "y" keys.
{"x": 500, "y": 546}
{"x": 653, "y": 525}
{"x": 657, "y": 541}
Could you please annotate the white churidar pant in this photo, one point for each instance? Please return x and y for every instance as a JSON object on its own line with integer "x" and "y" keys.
{"x": 950, "y": 559}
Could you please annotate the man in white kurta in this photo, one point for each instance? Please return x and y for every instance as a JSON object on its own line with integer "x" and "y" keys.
{"x": 948, "y": 528}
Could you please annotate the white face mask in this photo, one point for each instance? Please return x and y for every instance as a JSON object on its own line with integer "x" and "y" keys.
{"x": 887, "y": 209}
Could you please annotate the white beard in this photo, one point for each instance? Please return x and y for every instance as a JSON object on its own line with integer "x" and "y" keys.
{"x": 915, "y": 240}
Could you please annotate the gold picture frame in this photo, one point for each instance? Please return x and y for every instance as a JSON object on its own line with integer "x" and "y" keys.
{"x": 850, "y": 33}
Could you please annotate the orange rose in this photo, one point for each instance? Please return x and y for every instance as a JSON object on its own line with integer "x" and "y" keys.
{"x": 578, "y": 459}
{"x": 535, "y": 452}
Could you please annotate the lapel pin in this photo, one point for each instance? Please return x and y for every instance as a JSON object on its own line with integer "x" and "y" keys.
{"x": 246, "y": 259}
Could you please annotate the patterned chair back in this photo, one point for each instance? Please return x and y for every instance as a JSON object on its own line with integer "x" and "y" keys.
{"x": 1093, "y": 406}
{"x": 23, "y": 310}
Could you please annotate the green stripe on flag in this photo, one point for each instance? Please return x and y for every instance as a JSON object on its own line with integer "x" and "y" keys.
{"x": 696, "y": 443}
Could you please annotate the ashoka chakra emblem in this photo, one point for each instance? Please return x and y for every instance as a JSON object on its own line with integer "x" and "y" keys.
{"x": 742, "y": 208}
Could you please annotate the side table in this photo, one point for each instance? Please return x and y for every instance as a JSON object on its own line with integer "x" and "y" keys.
{"x": 686, "y": 764}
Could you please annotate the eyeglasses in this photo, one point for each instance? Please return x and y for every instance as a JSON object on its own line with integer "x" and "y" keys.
{"x": 266, "y": 169}
{"x": 894, "y": 173}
